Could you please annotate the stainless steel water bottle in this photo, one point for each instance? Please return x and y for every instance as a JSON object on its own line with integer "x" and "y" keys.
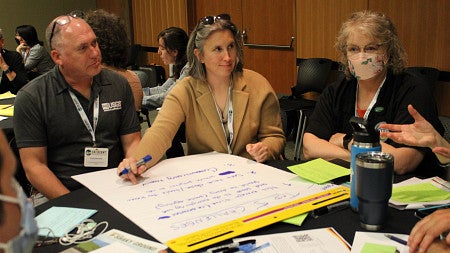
{"x": 365, "y": 139}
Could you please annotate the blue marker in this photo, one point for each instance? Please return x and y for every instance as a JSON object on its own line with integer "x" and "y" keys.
{"x": 143, "y": 161}
{"x": 394, "y": 238}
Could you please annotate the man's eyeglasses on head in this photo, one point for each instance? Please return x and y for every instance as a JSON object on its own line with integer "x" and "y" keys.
{"x": 209, "y": 20}
{"x": 63, "y": 20}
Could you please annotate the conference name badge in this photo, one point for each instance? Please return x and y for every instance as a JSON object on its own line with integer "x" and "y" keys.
{"x": 95, "y": 157}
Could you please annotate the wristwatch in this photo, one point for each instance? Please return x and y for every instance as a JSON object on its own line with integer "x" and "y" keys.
{"x": 7, "y": 71}
{"x": 346, "y": 140}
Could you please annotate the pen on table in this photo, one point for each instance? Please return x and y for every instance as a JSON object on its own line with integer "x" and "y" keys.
{"x": 267, "y": 244}
{"x": 434, "y": 207}
{"x": 394, "y": 238}
{"x": 143, "y": 161}
{"x": 330, "y": 208}
{"x": 230, "y": 245}
{"x": 245, "y": 248}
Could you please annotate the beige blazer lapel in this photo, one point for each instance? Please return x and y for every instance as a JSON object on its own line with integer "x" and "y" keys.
{"x": 207, "y": 106}
{"x": 240, "y": 103}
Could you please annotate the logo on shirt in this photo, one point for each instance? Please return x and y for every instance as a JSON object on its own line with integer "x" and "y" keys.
{"x": 117, "y": 105}
{"x": 95, "y": 152}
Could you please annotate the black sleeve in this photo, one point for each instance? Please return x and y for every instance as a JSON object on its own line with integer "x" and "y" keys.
{"x": 15, "y": 63}
{"x": 320, "y": 123}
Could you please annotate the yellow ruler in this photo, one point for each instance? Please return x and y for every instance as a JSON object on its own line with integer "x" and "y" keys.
{"x": 231, "y": 229}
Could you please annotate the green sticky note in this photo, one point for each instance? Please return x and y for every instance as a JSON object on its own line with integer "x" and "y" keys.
{"x": 296, "y": 220}
{"x": 378, "y": 248}
{"x": 319, "y": 171}
{"x": 423, "y": 192}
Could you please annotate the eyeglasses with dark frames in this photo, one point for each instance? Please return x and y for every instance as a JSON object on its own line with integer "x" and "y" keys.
{"x": 63, "y": 20}
{"x": 209, "y": 20}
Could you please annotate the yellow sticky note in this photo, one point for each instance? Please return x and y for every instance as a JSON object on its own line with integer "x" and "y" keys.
{"x": 319, "y": 171}
{"x": 9, "y": 111}
{"x": 423, "y": 192}
{"x": 378, "y": 248}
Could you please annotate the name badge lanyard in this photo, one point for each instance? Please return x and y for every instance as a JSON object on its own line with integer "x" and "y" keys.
{"x": 84, "y": 116}
{"x": 372, "y": 103}
{"x": 229, "y": 137}
{"x": 230, "y": 121}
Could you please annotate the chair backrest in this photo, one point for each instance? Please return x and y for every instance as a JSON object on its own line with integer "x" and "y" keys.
{"x": 427, "y": 74}
{"x": 133, "y": 55}
{"x": 446, "y": 123}
{"x": 312, "y": 75}
{"x": 143, "y": 77}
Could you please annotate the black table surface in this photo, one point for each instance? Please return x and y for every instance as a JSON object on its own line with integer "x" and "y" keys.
{"x": 345, "y": 221}
{"x": 7, "y": 124}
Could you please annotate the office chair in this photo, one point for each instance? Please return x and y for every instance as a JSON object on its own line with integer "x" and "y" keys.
{"x": 133, "y": 53}
{"x": 154, "y": 75}
{"x": 427, "y": 74}
{"x": 312, "y": 76}
{"x": 446, "y": 123}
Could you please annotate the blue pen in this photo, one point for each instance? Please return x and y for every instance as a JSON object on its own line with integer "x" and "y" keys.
{"x": 394, "y": 238}
{"x": 143, "y": 161}
{"x": 434, "y": 207}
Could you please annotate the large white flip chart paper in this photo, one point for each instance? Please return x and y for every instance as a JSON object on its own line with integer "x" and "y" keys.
{"x": 183, "y": 195}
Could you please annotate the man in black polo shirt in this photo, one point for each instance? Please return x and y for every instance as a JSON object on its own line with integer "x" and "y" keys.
{"x": 76, "y": 118}
{"x": 12, "y": 71}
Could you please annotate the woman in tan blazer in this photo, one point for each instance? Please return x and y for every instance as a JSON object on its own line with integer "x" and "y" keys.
{"x": 226, "y": 108}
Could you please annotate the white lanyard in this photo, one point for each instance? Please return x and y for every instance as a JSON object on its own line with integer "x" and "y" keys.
{"x": 372, "y": 103}
{"x": 229, "y": 136}
{"x": 84, "y": 116}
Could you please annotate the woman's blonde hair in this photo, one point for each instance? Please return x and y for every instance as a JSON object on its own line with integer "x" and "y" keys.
{"x": 378, "y": 27}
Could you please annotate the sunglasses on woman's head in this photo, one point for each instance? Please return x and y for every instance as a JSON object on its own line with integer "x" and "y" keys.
{"x": 209, "y": 20}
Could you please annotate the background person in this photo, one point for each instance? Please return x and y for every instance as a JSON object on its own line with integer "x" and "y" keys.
{"x": 114, "y": 44}
{"x": 423, "y": 236}
{"x": 36, "y": 59}
{"x": 226, "y": 108}
{"x": 18, "y": 229}
{"x": 172, "y": 50}
{"x": 376, "y": 89}
{"x": 77, "y": 117}
{"x": 426, "y": 234}
{"x": 12, "y": 71}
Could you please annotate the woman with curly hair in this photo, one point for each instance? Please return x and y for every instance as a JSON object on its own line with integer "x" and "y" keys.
{"x": 376, "y": 88}
{"x": 114, "y": 45}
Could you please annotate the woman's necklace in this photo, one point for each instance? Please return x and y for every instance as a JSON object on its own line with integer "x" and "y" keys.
{"x": 227, "y": 119}
{"x": 223, "y": 114}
